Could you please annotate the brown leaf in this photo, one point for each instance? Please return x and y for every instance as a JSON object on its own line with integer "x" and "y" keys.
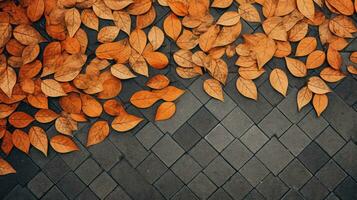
{"x": 172, "y": 26}
{"x": 71, "y": 45}
{"x": 296, "y": 67}
{"x": 218, "y": 69}
{"x": 111, "y": 86}
{"x": 248, "y": 12}
{"x": 207, "y": 40}
{"x": 6, "y": 168}
{"x": 345, "y": 7}
{"x": 20, "y": 119}
{"x": 35, "y": 10}
{"x": 65, "y": 125}
{"x": 304, "y": 96}
{"x": 97, "y": 132}
{"x": 70, "y": 68}
{"x": 213, "y": 88}
{"x": 228, "y": 18}
{"x": 250, "y": 72}
{"x": 52, "y": 88}
{"x": 283, "y": 49}
{"x": 315, "y": 59}
{"x": 247, "y": 88}
{"x": 38, "y": 139}
{"x": 307, "y": 8}
{"x": 110, "y": 51}
{"x": 138, "y": 63}
{"x": 122, "y": 20}
{"x": 275, "y": 28}
{"x": 221, "y": 3}
{"x": 117, "y": 5}
{"x": 45, "y": 115}
{"x": 108, "y": 34}
{"x": 102, "y": 11}
{"x": 113, "y": 107}
{"x": 157, "y": 82}
{"x": 146, "y": 19}
{"x": 317, "y": 85}
{"x": 264, "y": 49}
{"x": 138, "y": 40}
{"x": 30, "y": 53}
{"x": 71, "y": 103}
{"x": 6, "y": 110}
{"x": 183, "y": 58}
{"x": 27, "y": 35}
{"x": 334, "y": 58}
{"x": 8, "y": 81}
{"x": 63, "y": 144}
{"x": 298, "y": 32}
{"x": 279, "y": 81}
{"x": 227, "y": 35}
{"x": 125, "y": 122}
{"x": 165, "y": 111}
{"x": 121, "y": 71}
{"x": 156, "y": 59}
{"x": 306, "y": 46}
{"x": 352, "y": 69}
{"x": 144, "y": 99}
{"x": 320, "y": 102}
{"x": 331, "y": 75}
{"x": 139, "y": 7}
{"x": 353, "y": 57}
{"x": 73, "y": 21}
{"x": 21, "y": 140}
{"x": 342, "y": 26}
{"x": 156, "y": 37}
{"x": 284, "y": 7}
{"x": 90, "y": 106}
{"x": 7, "y": 145}
{"x": 188, "y": 72}
{"x": 169, "y": 93}
{"x": 89, "y": 19}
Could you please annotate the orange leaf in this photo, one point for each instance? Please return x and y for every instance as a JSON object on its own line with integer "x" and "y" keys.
{"x": 169, "y": 93}
{"x": 21, "y": 140}
{"x": 307, "y": 8}
{"x": 7, "y": 145}
{"x": 8, "y": 81}
{"x": 296, "y": 67}
{"x": 304, "y": 96}
{"x": 158, "y": 82}
{"x": 156, "y": 37}
{"x": 279, "y": 81}
{"x": 248, "y": 12}
{"x": 45, "y": 115}
{"x": 73, "y": 21}
{"x": 331, "y": 75}
{"x": 97, "y": 133}
{"x": 317, "y": 85}
{"x": 30, "y": 53}
{"x": 71, "y": 103}
{"x": 6, "y": 168}
{"x": 343, "y": 6}
{"x": 306, "y": 46}
{"x": 27, "y": 35}
{"x": 125, "y": 122}
{"x": 157, "y": 60}
{"x": 334, "y": 58}
{"x": 320, "y": 102}
{"x": 20, "y": 119}
{"x": 229, "y": 18}
{"x": 165, "y": 111}
{"x": 89, "y": 19}
{"x": 315, "y": 59}
{"x": 247, "y": 88}
{"x": 213, "y": 88}
{"x": 38, "y": 139}
{"x": 35, "y": 10}
{"x": 90, "y": 106}
{"x": 52, "y": 88}
{"x": 6, "y": 110}
{"x": 138, "y": 40}
{"x": 63, "y": 144}
{"x": 121, "y": 71}
{"x": 113, "y": 107}
{"x": 172, "y": 26}
{"x": 144, "y": 99}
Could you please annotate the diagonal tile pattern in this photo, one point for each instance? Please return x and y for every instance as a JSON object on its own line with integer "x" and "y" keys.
{"x": 239, "y": 149}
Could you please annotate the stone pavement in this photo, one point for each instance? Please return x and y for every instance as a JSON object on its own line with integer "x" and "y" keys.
{"x": 239, "y": 149}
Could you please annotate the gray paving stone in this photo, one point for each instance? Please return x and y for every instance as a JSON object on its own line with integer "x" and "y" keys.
{"x": 87, "y": 194}
{"x": 347, "y": 157}
{"x": 186, "y": 136}
{"x": 71, "y": 185}
{"x": 254, "y": 171}
{"x": 167, "y": 150}
{"x": 184, "y": 194}
{"x": 347, "y": 189}
{"x": 118, "y": 193}
{"x": 313, "y": 157}
{"x": 151, "y": 168}
{"x": 203, "y": 121}
{"x": 237, "y": 154}
{"x": 137, "y": 187}
{"x": 237, "y": 186}
{"x": 347, "y": 90}
{"x": 341, "y": 117}
{"x": 274, "y": 155}
{"x": 289, "y": 108}
{"x": 219, "y": 195}
{"x": 220, "y": 109}
{"x": 293, "y": 195}
{"x": 295, "y": 175}
{"x": 312, "y": 125}
{"x": 254, "y": 139}
{"x": 74, "y": 159}
{"x": 19, "y": 192}
{"x": 131, "y": 148}
{"x": 219, "y": 171}
{"x": 275, "y": 123}
{"x": 295, "y": 140}
{"x": 103, "y": 185}
{"x": 254, "y": 195}
{"x": 237, "y": 122}
{"x": 197, "y": 89}
{"x": 149, "y": 135}
{"x": 202, "y": 186}
{"x": 272, "y": 187}
{"x": 270, "y": 94}
{"x": 186, "y": 168}
{"x": 332, "y": 196}
{"x": 56, "y": 169}
{"x": 105, "y": 154}
{"x": 39, "y": 185}
{"x": 314, "y": 190}
{"x": 330, "y": 141}
{"x": 54, "y": 194}
{"x": 331, "y": 175}
{"x": 219, "y": 137}
{"x": 187, "y": 105}
{"x": 168, "y": 184}
{"x": 88, "y": 170}
{"x": 256, "y": 110}
{"x": 203, "y": 153}
{"x": 40, "y": 159}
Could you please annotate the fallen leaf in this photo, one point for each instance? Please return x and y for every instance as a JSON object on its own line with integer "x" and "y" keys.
{"x": 71, "y": 103}
{"x": 172, "y": 26}
{"x": 247, "y": 88}
{"x": 38, "y": 139}
{"x": 144, "y": 99}
{"x": 97, "y": 133}
{"x": 352, "y": 69}
{"x": 207, "y": 40}
{"x": 345, "y": 7}
{"x": 165, "y": 111}
{"x": 27, "y": 35}
{"x": 125, "y": 122}
{"x": 45, "y": 115}
{"x": 334, "y": 58}
{"x": 306, "y": 7}
{"x": 138, "y": 40}
{"x": 113, "y": 107}
{"x": 279, "y": 81}
{"x": 102, "y": 10}
{"x": 6, "y": 168}
{"x": 52, "y": 88}
{"x": 8, "y": 81}
{"x": 317, "y": 85}
{"x": 296, "y": 67}
{"x": 158, "y": 81}
{"x": 73, "y": 21}
{"x": 20, "y": 119}
{"x": 108, "y": 34}
{"x": 63, "y": 144}
{"x": 89, "y": 19}
{"x": 213, "y": 88}
{"x": 229, "y": 18}
{"x": 21, "y": 140}
{"x": 65, "y": 125}
{"x": 123, "y": 21}
{"x": 156, "y": 59}
{"x": 221, "y": 3}
{"x": 121, "y": 71}
{"x": 304, "y": 97}
{"x": 342, "y": 26}
{"x": 169, "y": 93}
{"x": 90, "y": 106}
{"x": 6, "y": 110}
{"x": 315, "y": 59}
{"x": 331, "y": 75}
{"x": 183, "y": 58}
{"x": 306, "y": 46}
{"x": 156, "y": 37}
{"x": 320, "y": 102}
{"x": 248, "y": 12}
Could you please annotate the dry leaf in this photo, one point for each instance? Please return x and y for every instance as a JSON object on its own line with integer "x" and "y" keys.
{"x": 8, "y": 81}
{"x": 247, "y": 88}
{"x": 102, "y": 10}
{"x": 108, "y": 34}
{"x": 250, "y": 72}
{"x": 157, "y": 82}
{"x": 264, "y": 50}
{"x": 45, "y": 115}
{"x": 296, "y": 67}
{"x": 306, "y": 46}
{"x": 121, "y": 71}
{"x": 334, "y": 58}
{"x": 138, "y": 40}
{"x": 188, "y": 72}
{"x": 304, "y": 97}
{"x": 320, "y": 102}
{"x": 207, "y": 40}
{"x": 113, "y": 107}
{"x": 248, "y": 12}
{"x": 6, "y": 110}
{"x": 63, "y": 144}
{"x": 52, "y": 88}
{"x": 27, "y": 35}
{"x": 342, "y": 26}
{"x": 229, "y": 18}
{"x": 353, "y": 57}
{"x": 331, "y": 75}
{"x": 213, "y": 88}
{"x": 146, "y": 19}
{"x": 156, "y": 59}
{"x": 122, "y": 20}
{"x": 165, "y": 111}
{"x": 298, "y": 32}
{"x": 73, "y": 21}
{"x": 156, "y": 37}
{"x": 183, "y": 58}
{"x": 144, "y": 99}
{"x": 35, "y": 10}
{"x": 317, "y": 85}
{"x": 283, "y": 49}
{"x": 172, "y": 26}
{"x": 21, "y": 140}
{"x": 279, "y": 81}
{"x": 65, "y": 125}
{"x": 352, "y": 69}
{"x": 6, "y": 168}
{"x": 315, "y": 59}
{"x": 90, "y": 106}
{"x": 306, "y": 7}
{"x": 221, "y": 3}
{"x": 169, "y": 93}
{"x": 275, "y": 29}
{"x": 20, "y": 119}
{"x": 97, "y": 133}
{"x": 345, "y": 7}
{"x": 89, "y": 19}
{"x": 38, "y": 139}
{"x": 71, "y": 103}
{"x": 125, "y": 122}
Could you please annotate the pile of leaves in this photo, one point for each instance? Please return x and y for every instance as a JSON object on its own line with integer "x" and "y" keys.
{"x": 38, "y": 65}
